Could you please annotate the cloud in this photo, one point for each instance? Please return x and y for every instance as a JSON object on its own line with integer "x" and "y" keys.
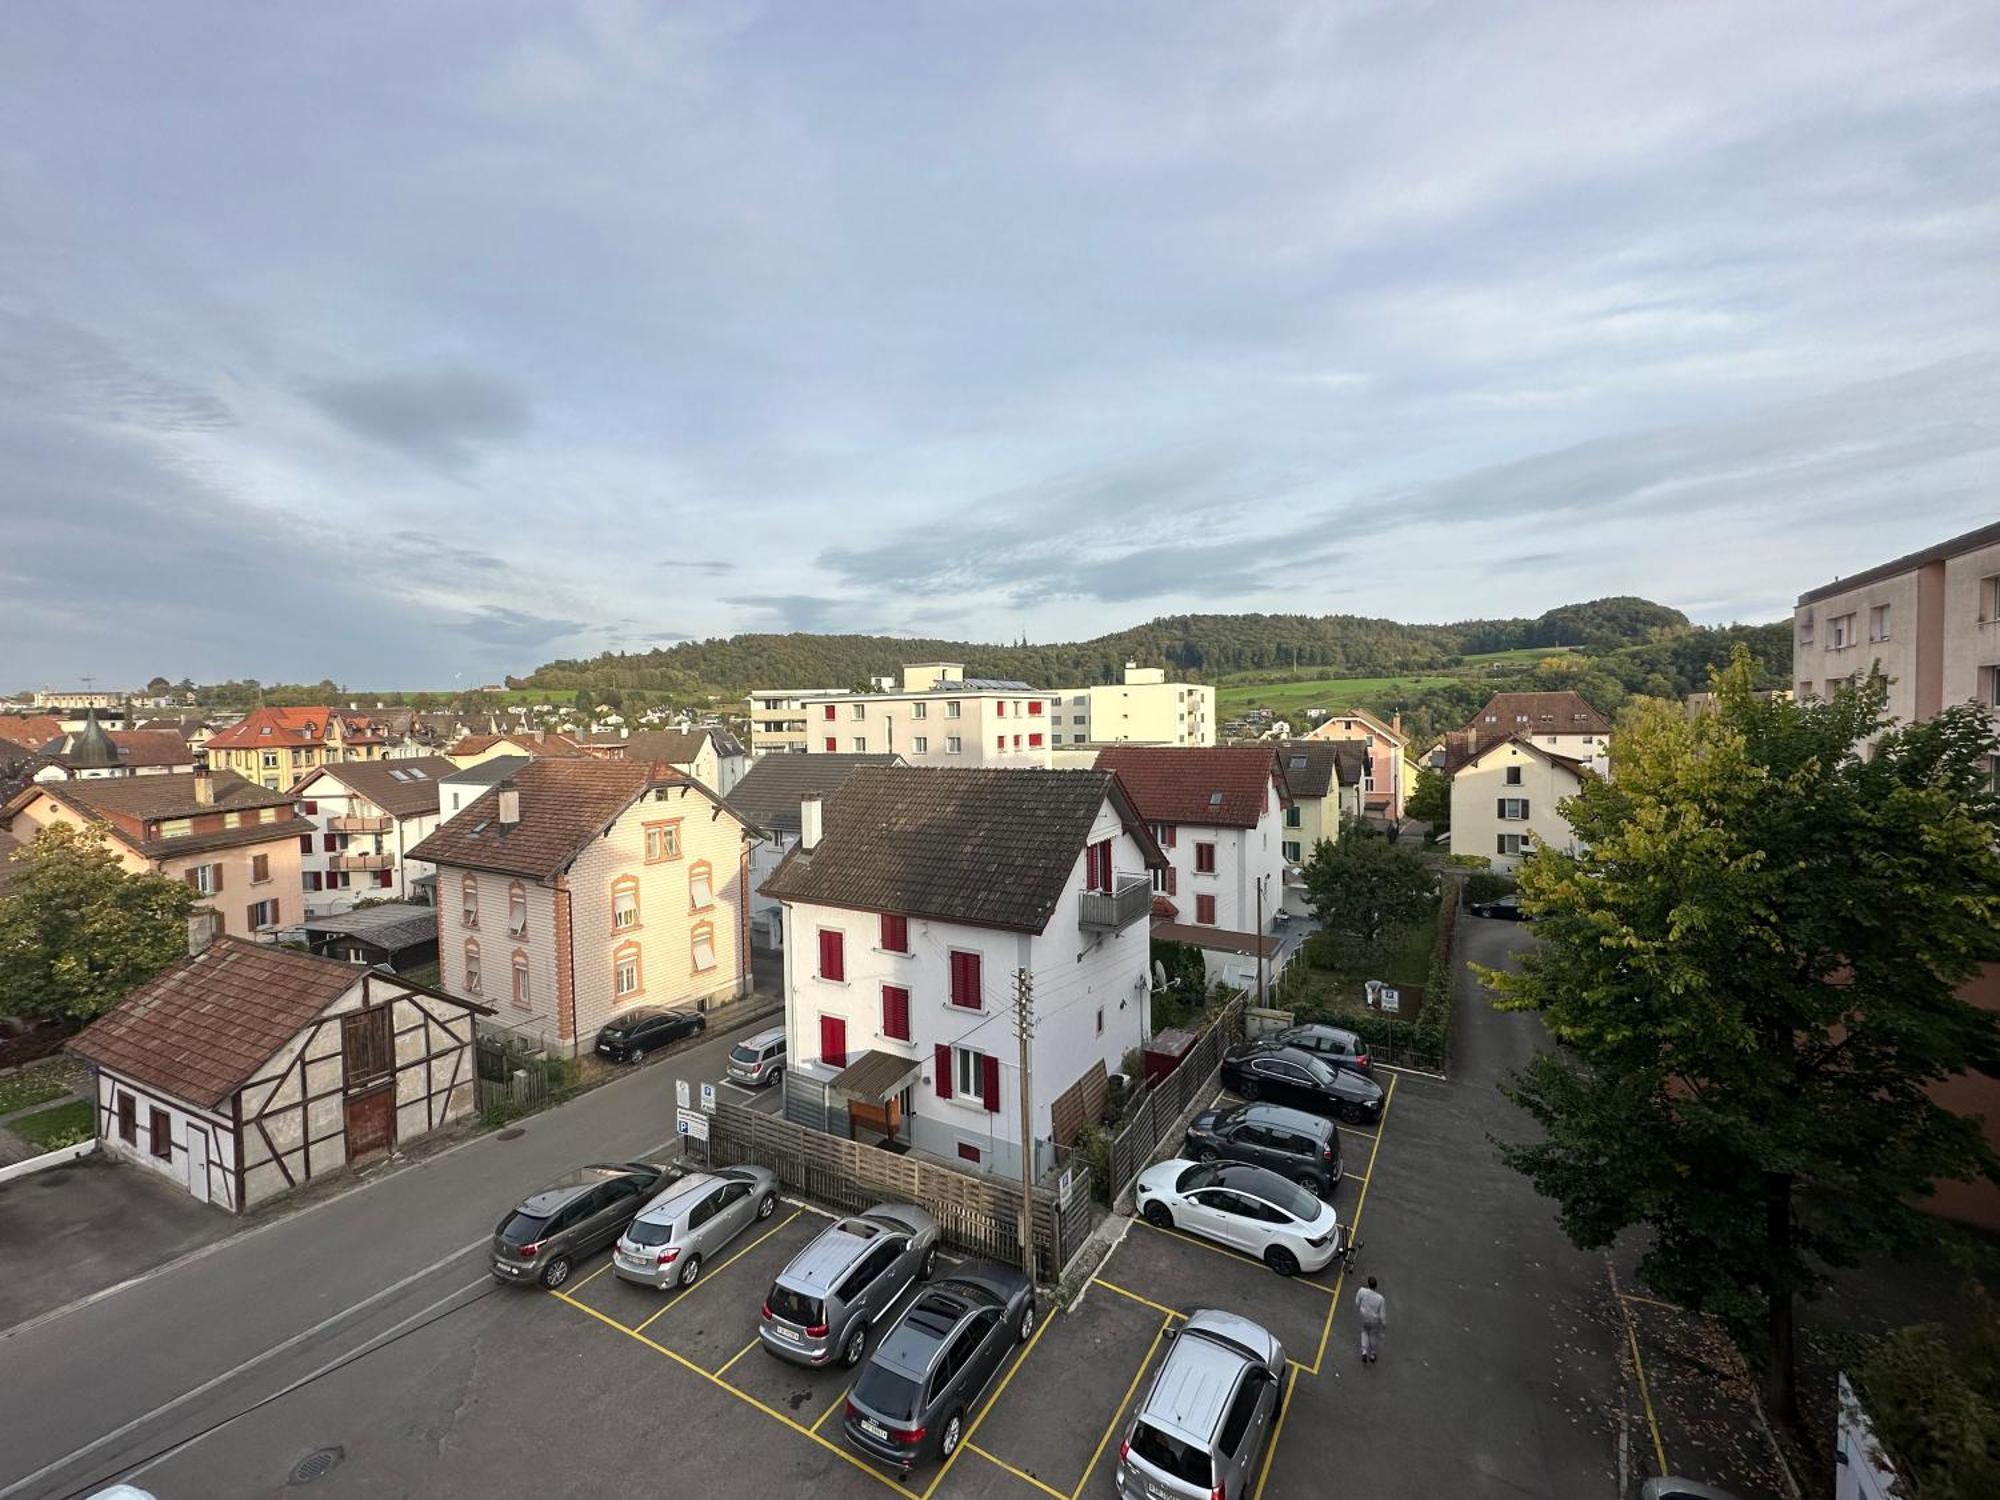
{"x": 497, "y": 625}
{"x": 714, "y": 568}
{"x": 440, "y": 416}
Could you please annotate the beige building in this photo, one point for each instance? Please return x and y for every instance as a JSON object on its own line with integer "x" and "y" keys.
{"x": 1325, "y": 780}
{"x": 939, "y": 717}
{"x": 780, "y": 718}
{"x": 274, "y": 747}
{"x": 1504, "y": 801}
{"x": 1144, "y": 709}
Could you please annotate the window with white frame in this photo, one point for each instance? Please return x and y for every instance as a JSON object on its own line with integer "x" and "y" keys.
{"x": 625, "y": 971}
{"x": 624, "y": 906}
{"x": 523, "y": 994}
{"x": 701, "y": 885}
{"x": 857, "y": 711}
{"x": 952, "y": 708}
{"x": 1514, "y": 809}
{"x": 1840, "y": 632}
{"x": 517, "y": 910}
{"x": 1878, "y": 623}
{"x": 1290, "y": 849}
{"x": 953, "y": 745}
{"x": 920, "y": 744}
{"x": 860, "y": 745}
{"x": 702, "y": 946}
{"x": 469, "y": 901}
{"x": 472, "y": 986}
{"x": 968, "y": 1067}
{"x": 920, "y": 710}
{"x": 1989, "y": 597}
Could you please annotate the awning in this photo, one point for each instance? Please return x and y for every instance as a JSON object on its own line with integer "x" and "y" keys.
{"x": 876, "y": 1075}
{"x": 1217, "y": 939}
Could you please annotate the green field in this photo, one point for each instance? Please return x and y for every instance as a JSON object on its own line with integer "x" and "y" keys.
{"x": 1291, "y": 697}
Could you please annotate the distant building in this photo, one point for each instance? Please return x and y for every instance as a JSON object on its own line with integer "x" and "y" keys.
{"x": 474, "y": 748}
{"x": 1144, "y": 709}
{"x": 1324, "y": 780}
{"x": 399, "y": 935}
{"x": 94, "y": 752}
{"x": 1504, "y": 801}
{"x": 368, "y": 816}
{"x": 779, "y": 722}
{"x": 712, "y": 756}
{"x": 1387, "y": 785}
{"x": 767, "y": 799}
{"x": 939, "y": 717}
{"x": 275, "y": 747}
{"x": 79, "y": 701}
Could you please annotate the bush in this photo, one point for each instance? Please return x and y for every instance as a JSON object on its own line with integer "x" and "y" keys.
{"x": 1468, "y": 862}
{"x": 1483, "y": 885}
{"x": 1936, "y": 1408}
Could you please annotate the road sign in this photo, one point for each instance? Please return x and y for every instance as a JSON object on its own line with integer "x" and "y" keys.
{"x": 692, "y": 1123}
{"x": 1392, "y": 1000}
{"x": 708, "y": 1097}
{"x": 681, "y": 1093}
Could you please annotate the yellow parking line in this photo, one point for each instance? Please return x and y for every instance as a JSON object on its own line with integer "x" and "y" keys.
{"x": 1235, "y": 1255}
{"x": 1368, "y": 1135}
{"x": 772, "y": 1412}
{"x": 1018, "y": 1474}
{"x": 973, "y": 1431}
{"x": 1353, "y": 1227}
{"x": 1123, "y": 1401}
{"x": 838, "y": 1402}
{"x": 736, "y": 1356}
{"x": 1159, "y": 1307}
{"x": 591, "y": 1277}
{"x": 1639, "y": 1365}
{"x": 1649, "y": 1301}
{"x": 674, "y": 1302}
{"x": 1353, "y": 1177}
{"x": 1270, "y": 1453}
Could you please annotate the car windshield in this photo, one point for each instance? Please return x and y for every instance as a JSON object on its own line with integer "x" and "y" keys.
{"x": 743, "y": 1054}
{"x": 793, "y": 1307}
{"x": 1194, "y": 1178}
{"x": 522, "y": 1229}
{"x": 658, "y": 1232}
{"x": 885, "y": 1390}
{"x": 1171, "y": 1456}
{"x": 1292, "y": 1198}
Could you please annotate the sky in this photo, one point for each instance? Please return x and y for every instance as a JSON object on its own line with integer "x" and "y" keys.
{"x": 412, "y": 344}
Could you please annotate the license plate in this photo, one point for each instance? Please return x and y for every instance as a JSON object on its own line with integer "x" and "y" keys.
{"x": 785, "y": 1333}
{"x": 874, "y": 1429}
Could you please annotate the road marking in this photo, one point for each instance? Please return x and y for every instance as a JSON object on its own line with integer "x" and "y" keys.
{"x": 1271, "y": 1453}
{"x": 1025, "y": 1478}
{"x": 1650, "y": 1301}
{"x": 1354, "y": 1176}
{"x": 1159, "y": 1307}
{"x": 1638, "y": 1364}
{"x": 991, "y": 1401}
{"x": 738, "y": 1355}
{"x": 1415, "y": 1072}
{"x": 838, "y": 1402}
{"x": 1237, "y": 1255}
{"x": 591, "y": 1277}
{"x": 244, "y": 1365}
{"x": 688, "y": 1292}
{"x": 1123, "y": 1402}
{"x": 1368, "y": 1135}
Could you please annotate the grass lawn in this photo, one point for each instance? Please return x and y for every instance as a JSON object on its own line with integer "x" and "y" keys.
{"x": 1330, "y": 693}
{"x": 1519, "y": 653}
{"x": 33, "y": 1084}
{"x": 52, "y": 1129}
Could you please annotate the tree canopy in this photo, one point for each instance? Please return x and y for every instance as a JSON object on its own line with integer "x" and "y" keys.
{"x": 1752, "y": 966}
{"x": 1365, "y": 889}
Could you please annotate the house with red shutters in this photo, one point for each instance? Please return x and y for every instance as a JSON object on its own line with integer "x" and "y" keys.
{"x": 918, "y": 905}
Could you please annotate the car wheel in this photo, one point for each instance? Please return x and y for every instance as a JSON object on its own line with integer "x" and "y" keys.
{"x": 857, "y": 1345}
{"x": 691, "y": 1269}
{"x": 1281, "y": 1260}
{"x": 636, "y": 1056}
{"x": 954, "y": 1428}
{"x": 1249, "y": 1088}
{"x": 776, "y": 1074}
{"x": 556, "y": 1272}
{"x": 1027, "y": 1327}
{"x": 1350, "y": 1113}
{"x": 700, "y": 1025}
{"x": 1311, "y": 1184}
{"x": 929, "y": 1268}
{"x": 767, "y": 1205}
{"x": 1159, "y": 1215}
{"x": 1206, "y": 1153}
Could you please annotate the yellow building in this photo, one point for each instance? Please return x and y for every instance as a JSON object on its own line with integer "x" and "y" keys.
{"x": 275, "y": 747}
{"x": 1144, "y": 709}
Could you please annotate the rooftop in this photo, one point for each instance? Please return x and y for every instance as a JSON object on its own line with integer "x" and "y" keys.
{"x": 768, "y": 796}
{"x": 401, "y": 788}
{"x": 1214, "y": 786}
{"x": 1984, "y": 536}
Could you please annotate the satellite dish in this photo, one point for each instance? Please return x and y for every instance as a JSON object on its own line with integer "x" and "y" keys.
{"x": 1159, "y": 975}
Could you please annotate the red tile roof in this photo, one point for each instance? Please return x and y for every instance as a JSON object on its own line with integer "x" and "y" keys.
{"x": 1215, "y": 786}
{"x": 290, "y": 727}
{"x": 30, "y": 733}
{"x": 1515, "y": 714}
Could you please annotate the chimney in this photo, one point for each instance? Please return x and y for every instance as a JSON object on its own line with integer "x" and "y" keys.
{"x": 204, "y": 782}
{"x": 510, "y": 806}
{"x": 1396, "y": 721}
{"x": 809, "y": 821}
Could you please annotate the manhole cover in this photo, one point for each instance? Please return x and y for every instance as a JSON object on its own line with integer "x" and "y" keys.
{"x": 317, "y": 1465}
{"x": 512, "y": 1133}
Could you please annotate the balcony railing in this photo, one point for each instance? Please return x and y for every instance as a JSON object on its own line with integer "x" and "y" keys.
{"x": 1129, "y": 899}
{"x": 360, "y": 861}
{"x": 357, "y": 823}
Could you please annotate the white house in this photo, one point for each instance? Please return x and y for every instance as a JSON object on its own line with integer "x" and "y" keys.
{"x": 1504, "y": 801}
{"x": 368, "y": 814}
{"x": 916, "y": 905}
{"x": 712, "y": 756}
{"x": 940, "y": 717}
{"x": 767, "y": 799}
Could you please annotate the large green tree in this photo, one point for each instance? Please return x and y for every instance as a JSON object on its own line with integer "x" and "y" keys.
{"x": 1752, "y": 968}
{"x": 78, "y": 932}
{"x": 1365, "y": 889}
{"x": 1430, "y": 800}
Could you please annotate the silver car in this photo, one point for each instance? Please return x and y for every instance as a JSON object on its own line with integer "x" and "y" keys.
{"x": 1212, "y": 1407}
{"x": 691, "y": 1220}
{"x": 821, "y": 1306}
{"x": 759, "y": 1060}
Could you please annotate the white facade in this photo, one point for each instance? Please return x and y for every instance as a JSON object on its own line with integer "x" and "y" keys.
{"x": 358, "y": 851}
{"x": 1238, "y": 859}
{"x": 942, "y": 726}
{"x": 1504, "y": 802}
{"x": 1144, "y": 709}
{"x": 778, "y": 718}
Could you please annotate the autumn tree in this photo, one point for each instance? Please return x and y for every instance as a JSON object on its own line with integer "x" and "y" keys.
{"x": 1752, "y": 968}
{"x": 78, "y": 932}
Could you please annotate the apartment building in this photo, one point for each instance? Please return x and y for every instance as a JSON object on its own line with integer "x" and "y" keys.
{"x": 368, "y": 816}
{"x": 580, "y": 888}
{"x": 1388, "y": 782}
{"x": 1323, "y": 784}
{"x": 914, "y": 903}
{"x": 712, "y": 756}
{"x": 1143, "y": 709}
{"x": 1504, "y": 801}
{"x": 939, "y": 717}
{"x": 780, "y": 719}
{"x": 93, "y": 752}
{"x": 274, "y": 747}
{"x": 767, "y": 799}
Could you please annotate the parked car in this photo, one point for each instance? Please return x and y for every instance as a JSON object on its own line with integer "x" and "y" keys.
{"x": 1212, "y": 1407}
{"x": 1290, "y": 1142}
{"x": 689, "y": 1221}
{"x": 1244, "y": 1207}
{"x": 758, "y": 1061}
{"x": 912, "y": 1397}
{"x": 1335, "y": 1046}
{"x": 1506, "y": 908}
{"x": 1285, "y": 1075}
{"x": 628, "y": 1037}
{"x": 821, "y": 1305}
{"x": 574, "y": 1216}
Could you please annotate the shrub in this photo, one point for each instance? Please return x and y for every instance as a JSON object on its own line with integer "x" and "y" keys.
{"x": 1468, "y": 862}
{"x": 1483, "y": 885}
{"x": 1936, "y": 1408}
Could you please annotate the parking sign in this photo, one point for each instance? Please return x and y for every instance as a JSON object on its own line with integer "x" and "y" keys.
{"x": 708, "y": 1097}
{"x": 681, "y": 1095}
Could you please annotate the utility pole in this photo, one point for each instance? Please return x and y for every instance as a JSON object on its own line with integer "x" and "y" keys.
{"x": 1024, "y": 1031}
{"x": 1260, "y": 941}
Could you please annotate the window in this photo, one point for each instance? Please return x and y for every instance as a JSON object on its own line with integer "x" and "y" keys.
{"x": 1000, "y": 743}
{"x": 206, "y": 879}
{"x": 895, "y": 933}
{"x": 831, "y": 713}
{"x": 920, "y": 744}
{"x": 309, "y": 809}
{"x": 1097, "y": 866}
{"x": 1204, "y": 859}
{"x": 953, "y": 745}
{"x": 966, "y": 981}
{"x": 896, "y": 1012}
{"x": 832, "y": 954}
{"x": 1290, "y": 849}
{"x": 1100, "y": 1020}
{"x": 517, "y": 910}
{"x": 860, "y": 745}
{"x": 1878, "y": 623}
{"x": 833, "y": 1041}
{"x": 1034, "y": 741}
{"x": 701, "y": 947}
{"x": 128, "y": 1119}
{"x": 472, "y": 984}
{"x": 859, "y": 711}
{"x": 263, "y": 913}
{"x": 1034, "y": 707}
{"x": 260, "y": 868}
{"x": 305, "y": 843}
{"x": 523, "y": 998}
{"x": 951, "y": 709}
{"x": 1989, "y": 597}
{"x": 627, "y": 979}
{"x": 624, "y": 904}
{"x": 1000, "y": 709}
{"x": 176, "y": 828}
{"x": 976, "y": 1075}
{"x": 701, "y": 885}
{"x": 270, "y": 760}
{"x": 1204, "y": 910}
{"x": 1294, "y": 816}
{"x": 1510, "y": 843}
{"x": 1513, "y": 775}
{"x": 1163, "y": 833}
{"x": 920, "y": 710}
{"x": 663, "y": 842}
{"x": 1840, "y": 632}
{"x": 1513, "y": 809}
{"x": 161, "y": 1134}
{"x": 469, "y": 901}
{"x": 968, "y": 1152}
{"x": 832, "y": 744}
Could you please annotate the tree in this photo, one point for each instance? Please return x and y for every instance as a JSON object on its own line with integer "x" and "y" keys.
{"x": 158, "y": 686}
{"x": 1364, "y": 890}
{"x": 1753, "y": 968}
{"x": 1430, "y": 800}
{"x": 78, "y": 932}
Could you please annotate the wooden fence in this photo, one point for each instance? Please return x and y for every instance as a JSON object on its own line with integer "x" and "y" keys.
{"x": 1162, "y": 1107}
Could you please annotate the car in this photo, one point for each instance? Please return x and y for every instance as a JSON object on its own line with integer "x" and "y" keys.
{"x": 631, "y": 1034}
{"x": 1290, "y": 1142}
{"x": 759, "y": 1061}
{"x": 1208, "y": 1415}
{"x": 692, "y": 1218}
{"x": 548, "y": 1232}
{"x": 822, "y": 1305}
{"x": 1335, "y": 1046}
{"x": 911, "y": 1398}
{"x": 1285, "y": 1075}
{"x": 1505, "y": 908}
{"x": 1267, "y": 1217}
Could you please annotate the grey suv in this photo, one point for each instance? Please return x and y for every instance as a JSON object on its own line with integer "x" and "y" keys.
{"x": 691, "y": 1220}
{"x": 1210, "y": 1411}
{"x": 572, "y": 1217}
{"x": 758, "y": 1061}
{"x": 822, "y": 1304}
{"x": 1289, "y": 1142}
{"x": 929, "y": 1369}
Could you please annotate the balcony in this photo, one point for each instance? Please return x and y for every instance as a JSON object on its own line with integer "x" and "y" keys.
{"x": 360, "y": 861}
{"x": 1129, "y": 899}
{"x": 357, "y": 823}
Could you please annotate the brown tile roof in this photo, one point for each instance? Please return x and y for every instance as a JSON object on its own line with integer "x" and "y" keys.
{"x": 1312, "y": 767}
{"x": 401, "y": 788}
{"x": 201, "y": 1029}
{"x": 565, "y": 803}
{"x": 768, "y": 795}
{"x": 993, "y": 848}
{"x": 169, "y": 796}
{"x": 1520, "y": 714}
{"x": 533, "y": 744}
{"x": 1351, "y": 757}
{"x": 1565, "y": 762}
{"x": 289, "y": 726}
{"x": 1329, "y": 728}
{"x": 151, "y": 747}
{"x": 669, "y": 747}
{"x": 32, "y": 733}
{"x": 1215, "y": 786}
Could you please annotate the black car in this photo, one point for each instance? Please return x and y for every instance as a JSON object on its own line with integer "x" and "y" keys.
{"x": 1506, "y": 908}
{"x": 1335, "y": 1046}
{"x": 913, "y": 1395}
{"x": 1290, "y": 1142}
{"x": 1285, "y": 1075}
{"x": 576, "y": 1215}
{"x": 647, "y": 1028}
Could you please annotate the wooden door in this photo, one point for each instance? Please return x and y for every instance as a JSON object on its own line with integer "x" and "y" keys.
{"x": 371, "y": 1122}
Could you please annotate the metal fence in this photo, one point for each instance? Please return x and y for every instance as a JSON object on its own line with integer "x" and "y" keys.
{"x": 512, "y": 1068}
{"x": 1164, "y": 1104}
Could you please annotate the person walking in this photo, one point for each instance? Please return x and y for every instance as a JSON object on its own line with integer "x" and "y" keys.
{"x": 1374, "y": 1310}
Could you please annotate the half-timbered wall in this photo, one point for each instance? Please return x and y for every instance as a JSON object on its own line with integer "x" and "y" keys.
{"x": 205, "y": 1165}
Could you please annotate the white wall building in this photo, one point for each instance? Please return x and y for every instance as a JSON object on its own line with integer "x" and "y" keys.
{"x": 1504, "y": 801}
{"x": 939, "y": 717}
{"x": 367, "y": 815}
{"x": 767, "y": 799}
{"x": 1144, "y": 709}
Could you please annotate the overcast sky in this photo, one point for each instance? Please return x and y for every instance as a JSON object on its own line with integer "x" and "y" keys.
{"x": 413, "y": 343}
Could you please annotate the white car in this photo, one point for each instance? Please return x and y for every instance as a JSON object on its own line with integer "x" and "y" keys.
{"x": 1243, "y": 1207}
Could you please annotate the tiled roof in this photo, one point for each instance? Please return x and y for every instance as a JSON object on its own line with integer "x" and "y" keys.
{"x": 201, "y": 1029}
{"x": 1329, "y": 728}
{"x": 32, "y": 733}
{"x": 665, "y": 747}
{"x": 288, "y": 726}
{"x": 393, "y": 925}
{"x": 768, "y": 796}
{"x": 171, "y": 796}
{"x": 1351, "y": 758}
{"x": 1217, "y": 786}
{"x": 138, "y": 747}
{"x": 1311, "y": 766}
{"x": 1521, "y": 714}
{"x": 401, "y": 788}
{"x": 1565, "y": 762}
{"x": 533, "y": 744}
{"x": 993, "y": 848}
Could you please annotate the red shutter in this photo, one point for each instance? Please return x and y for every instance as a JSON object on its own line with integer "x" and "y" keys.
{"x": 829, "y": 714}
{"x": 1034, "y": 740}
{"x": 1173, "y": 836}
{"x": 990, "y": 1081}
{"x": 1204, "y": 910}
{"x": 1000, "y": 709}
{"x": 1034, "y": 708}
{"x": 310, "y": 809}
{"x": 1000, "y": 743}
{"x": 896, "y": 1012}
{"x": 831, "y": 743}
{"x": 833, "y": 1041}
{"x": 895, "y": 933}
{"x": 305, "y": 843}
{"x": 941, "y": 1065}
{"x": 832, "y": 955}
{"x": 1173, "y": 881}
{"x": 218, "y": 875}
{"x": 965, "y": 980}
{"x": 330, "y": 843}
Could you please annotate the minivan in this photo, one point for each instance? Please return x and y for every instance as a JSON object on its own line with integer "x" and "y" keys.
{"x": 1290, "y": 1142}
{"x": 548, "y": 1232}
{"x": 758, "y": 1061}
{"x": 821, "y": 1305}
{"x": 1211, "y": 1410}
